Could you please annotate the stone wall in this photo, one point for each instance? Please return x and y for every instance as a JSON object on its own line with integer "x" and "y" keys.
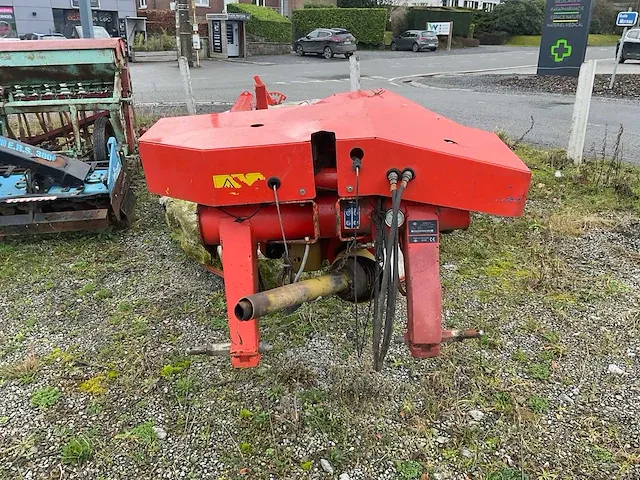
{"x": 267, "y": 48}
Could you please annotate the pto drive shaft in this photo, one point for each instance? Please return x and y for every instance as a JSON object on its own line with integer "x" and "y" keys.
{"x": 274, "y": 300}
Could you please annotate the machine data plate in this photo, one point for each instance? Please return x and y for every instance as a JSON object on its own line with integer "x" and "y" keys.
{"x": 351, "y": 215}
{"x": 423, "y": 231}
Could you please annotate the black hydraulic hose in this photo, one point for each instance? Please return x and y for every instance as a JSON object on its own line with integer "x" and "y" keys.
{"x": 379, "y": 254}
{"x": 380, "y": 303}
{"x": 392, "y": 288}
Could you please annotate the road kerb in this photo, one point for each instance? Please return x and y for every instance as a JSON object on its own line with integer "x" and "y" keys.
{"x": 407, "y": 78}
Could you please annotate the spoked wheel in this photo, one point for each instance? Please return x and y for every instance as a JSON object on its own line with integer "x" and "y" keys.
{"x": 394, "y": 47}
{"x": 299, "y": 50}
{"x": 415, "y": 47}
{"x": 102, "y": 130}
{"x": 327, "y": 53}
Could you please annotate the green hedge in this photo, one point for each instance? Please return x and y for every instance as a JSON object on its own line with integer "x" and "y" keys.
{"x": 366, "y": 24}
{"x": 264, "y": 22}
{"x": 417, "y": 18}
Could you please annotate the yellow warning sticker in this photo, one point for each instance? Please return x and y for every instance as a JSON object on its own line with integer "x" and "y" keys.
{"x": 236, "y": 180}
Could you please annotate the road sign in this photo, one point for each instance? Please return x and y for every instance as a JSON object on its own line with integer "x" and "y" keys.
{"x": 626, "y": 19}
{"x": 441, "y": 28}
{"x": 564, "y": 37}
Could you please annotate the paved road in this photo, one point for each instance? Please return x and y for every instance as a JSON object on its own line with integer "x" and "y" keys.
{"x": 308, "y": 77}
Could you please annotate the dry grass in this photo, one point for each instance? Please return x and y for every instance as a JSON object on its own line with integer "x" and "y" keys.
{"x": 574, "y": 223}
{"x": 26, "y": 368}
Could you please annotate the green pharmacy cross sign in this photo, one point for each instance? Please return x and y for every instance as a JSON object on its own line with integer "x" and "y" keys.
{"x": 561, "y": 50}
{"x": 564, "y": 37}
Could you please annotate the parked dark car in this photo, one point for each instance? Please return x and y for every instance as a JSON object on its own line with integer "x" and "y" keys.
{"x": 416, "y": 40}
{"x": 631, "y": 48}
{"x": 327, "y": 42}
{"x": 42, "y": 36}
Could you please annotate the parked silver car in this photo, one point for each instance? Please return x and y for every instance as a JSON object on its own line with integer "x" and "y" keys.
{"x": 327, "y": 42}
{"x": 631, "y": 48}
{"x": 416, "y": 40}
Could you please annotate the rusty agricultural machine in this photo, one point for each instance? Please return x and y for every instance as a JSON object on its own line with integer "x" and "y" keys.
{"x": 353, "y": 181}
{"x": 66, "y": 125}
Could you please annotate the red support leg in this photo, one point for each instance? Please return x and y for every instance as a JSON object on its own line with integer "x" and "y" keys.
{"x": 262, "y": 97}
{"x": 240, "y": 266}
{"x": 422, "y": 274}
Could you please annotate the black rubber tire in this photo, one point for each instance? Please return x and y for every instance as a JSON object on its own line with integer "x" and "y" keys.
{"x": 394, "y": 47}
{"x": 347, "y": 55}
{"x": 327, "y": 52}
{"x": 622, "y": 59}
{"x": 432, "y": 49}
{"x": 102, "y": 130}
{"x": 415, "y": 47}
{"x": 299, "y": 50}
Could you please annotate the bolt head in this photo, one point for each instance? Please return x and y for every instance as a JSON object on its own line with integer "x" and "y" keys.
{"x": 302, "y": 191}
{"x": 349, "y": 188}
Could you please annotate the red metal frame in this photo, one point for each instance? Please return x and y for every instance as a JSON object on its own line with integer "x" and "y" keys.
{"x": 240, "y": 262}
{"x": 422, "y": 279}
{"x": 228, "y": 164}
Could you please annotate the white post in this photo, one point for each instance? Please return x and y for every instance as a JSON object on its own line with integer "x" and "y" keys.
{"x": 581, "y": 111}
{"x": 354, "y": 72}
{"x": 186, "y": 81}
{"x": 450, "y": 38}
{"x": 618, "y": 56}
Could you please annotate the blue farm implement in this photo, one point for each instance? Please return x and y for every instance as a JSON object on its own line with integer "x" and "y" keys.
{"x": 66, "y": 120}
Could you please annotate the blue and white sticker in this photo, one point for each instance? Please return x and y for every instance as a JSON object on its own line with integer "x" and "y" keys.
{"x": 20, "y": 147}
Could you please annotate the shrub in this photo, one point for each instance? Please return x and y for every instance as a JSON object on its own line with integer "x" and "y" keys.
{"x": 519, "y": 17}
{"x": 495, "y": 38}
{"x": 155, "y": 43}
{"x": 265, "y": 22}
{"x": 603, "y": 18}
{"x": 366, "y": 24}
{"x": 160, "y": 21}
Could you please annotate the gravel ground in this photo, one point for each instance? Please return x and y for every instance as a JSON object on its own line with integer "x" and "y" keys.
{"x": 626, "y": 86}
{"x": 94, "y": 383}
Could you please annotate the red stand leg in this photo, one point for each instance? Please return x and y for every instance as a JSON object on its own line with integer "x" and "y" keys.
{"x": 422, "y": 274}
{"x": 240, "y": 266}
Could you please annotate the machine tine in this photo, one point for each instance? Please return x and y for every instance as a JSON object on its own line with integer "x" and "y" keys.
{"x": 450, "y": 335}
{"x": 222, "y": 349}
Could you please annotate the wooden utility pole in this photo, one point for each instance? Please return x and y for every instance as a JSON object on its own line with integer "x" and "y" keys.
{"x": 182, "y": 10}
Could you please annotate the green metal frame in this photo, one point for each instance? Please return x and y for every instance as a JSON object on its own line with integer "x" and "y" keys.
{"x": 31, "y": 69}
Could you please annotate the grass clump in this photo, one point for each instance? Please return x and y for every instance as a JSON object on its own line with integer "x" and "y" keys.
{"x": 45, "y": 397}
{"x": 170, "y": 370}
{"x": 77, "y": 451}
{"x": 538, "y": 404}
{"x": 409, "y": 469}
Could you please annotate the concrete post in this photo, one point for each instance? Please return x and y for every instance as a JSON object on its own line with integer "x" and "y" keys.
{"x": 580, "y": 115}
{"x": 86, "y": 18}
{"x": 186, "y": 81}
{"x": 354, "y": 72}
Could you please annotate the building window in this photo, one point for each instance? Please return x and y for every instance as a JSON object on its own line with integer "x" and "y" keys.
{"x": 260, "y": 3}
{"x": 143, "y": 3}
{"x": 202, "y": 3}
{"x": 94, "y": 3}
{"x": 444, "y": 3}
